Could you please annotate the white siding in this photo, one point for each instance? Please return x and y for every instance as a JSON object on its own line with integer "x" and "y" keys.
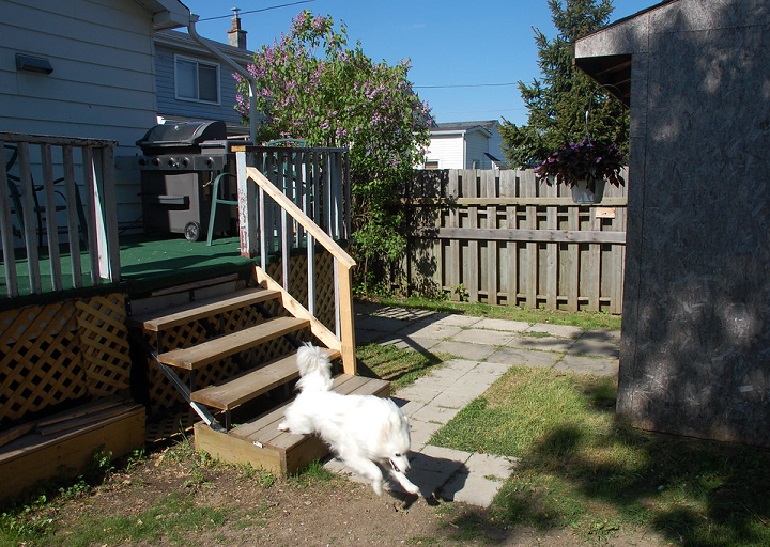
{"x": 476, "y": 144}
{"x": 102, "y": 85}
{"x": 447, "y": 150}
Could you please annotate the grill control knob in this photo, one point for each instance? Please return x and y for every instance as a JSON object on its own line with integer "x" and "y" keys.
{"x": 209, "y": 162}
{"x": 185, "y": 162}
{"x": 156, "y": 162}
{"x": 142, "y": 162}
{"x": 172, "y": 162}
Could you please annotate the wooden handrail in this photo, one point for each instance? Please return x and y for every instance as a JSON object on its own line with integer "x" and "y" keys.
{"x": 297, "y": 214}
{"x": 344, "y": 276}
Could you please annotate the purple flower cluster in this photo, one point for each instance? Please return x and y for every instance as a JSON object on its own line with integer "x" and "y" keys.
{"x": 584, "y": 160}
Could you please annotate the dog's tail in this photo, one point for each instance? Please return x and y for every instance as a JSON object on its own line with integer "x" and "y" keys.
{"x": 314, "y": 368}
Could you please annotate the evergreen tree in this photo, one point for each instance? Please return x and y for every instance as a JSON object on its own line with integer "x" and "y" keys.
{"x": 558, "y": 101}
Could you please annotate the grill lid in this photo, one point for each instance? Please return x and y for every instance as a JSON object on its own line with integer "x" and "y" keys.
{"x": 183, "y": 134}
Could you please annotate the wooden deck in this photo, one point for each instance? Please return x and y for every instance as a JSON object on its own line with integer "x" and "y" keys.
{"x": 147, "y": 264}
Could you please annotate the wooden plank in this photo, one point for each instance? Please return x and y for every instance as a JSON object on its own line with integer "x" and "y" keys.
{"x": 192, "y": 311}
{"x": 79, "y": 422}
{"x": 531, "y": 255}
{"x": 470, "y": 259}
{"x": 82, "y": 410}
{"x": 187, "y": 287}
{"x": 595, "y": 269}
{"x": 250, "y": 384}
{"x": 262, "y": 428}
{"x": 505, "y": 201}
{"x": 526, "y": 235}
{"x": 15, "y": 432}
{"x": 453, "y": 265}
{"x": 197, "y": 356}
{"x": 238, "y": 451}
{"x": 33, "y": 458}
{"x": 492, "y": 268}
{"x": 512, "y": 260}
{"x": 550, "y": 260}
{"x": 573, "y": 264}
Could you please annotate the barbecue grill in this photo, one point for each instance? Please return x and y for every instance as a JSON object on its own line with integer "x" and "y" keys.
{"x": 178, "y": 163}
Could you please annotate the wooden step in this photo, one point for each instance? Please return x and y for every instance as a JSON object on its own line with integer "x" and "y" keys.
{"x": 260, "y": 444}
{"x": 250, "y": 384}
{"x": 204, "y": 353}
{"x": 191, "y": 311}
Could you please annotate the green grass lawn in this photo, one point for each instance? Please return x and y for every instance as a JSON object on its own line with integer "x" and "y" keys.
{"x": 583, "y": 470}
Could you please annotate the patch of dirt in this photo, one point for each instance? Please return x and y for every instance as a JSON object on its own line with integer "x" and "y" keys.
{"x": 297, "y": 511}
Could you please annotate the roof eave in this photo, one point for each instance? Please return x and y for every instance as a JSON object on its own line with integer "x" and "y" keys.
{"x": 166, "y": 14}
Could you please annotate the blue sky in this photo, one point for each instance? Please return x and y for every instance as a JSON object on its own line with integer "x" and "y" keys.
{"x": 450, "y": 44}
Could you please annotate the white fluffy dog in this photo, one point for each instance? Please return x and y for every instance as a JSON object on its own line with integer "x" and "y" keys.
{"x": 360, "y": 429}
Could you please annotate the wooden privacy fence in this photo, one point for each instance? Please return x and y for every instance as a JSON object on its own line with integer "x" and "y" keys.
{"x": 502, "y": 237}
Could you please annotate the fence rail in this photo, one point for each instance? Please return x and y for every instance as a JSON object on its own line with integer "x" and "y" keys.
{"x": 43, "y": 210}
{"x": 502, "y": 237}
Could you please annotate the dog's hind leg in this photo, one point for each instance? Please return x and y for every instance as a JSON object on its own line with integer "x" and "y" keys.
{"x": 368, "y": 470}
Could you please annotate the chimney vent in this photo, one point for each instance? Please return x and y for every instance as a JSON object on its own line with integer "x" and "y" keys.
{"x": 236, "y": 36}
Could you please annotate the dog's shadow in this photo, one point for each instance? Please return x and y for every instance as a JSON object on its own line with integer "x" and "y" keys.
{"x": 438, "y": 478}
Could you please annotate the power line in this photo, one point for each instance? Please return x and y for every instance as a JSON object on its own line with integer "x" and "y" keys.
{"x": 269, "y": 8}
{"x": 453, "y": 86}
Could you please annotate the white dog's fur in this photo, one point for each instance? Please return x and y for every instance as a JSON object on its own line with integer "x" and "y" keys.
{"x": 360, "y": 429}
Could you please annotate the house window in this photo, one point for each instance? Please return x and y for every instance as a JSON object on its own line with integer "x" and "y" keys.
{"x": 196, "y": 81}
{"x": 431, "y": 164}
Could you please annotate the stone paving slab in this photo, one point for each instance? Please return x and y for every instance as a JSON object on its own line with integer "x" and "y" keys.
{"x": 520, "y": 356}
{"x": 563, "y": 331}
{"x": 475, "y": 352}
{"x": 479, "y": 481}
{"x": 588, "y": 365}
{"x": 483, "y": 336}
{"x": 542, "y": 344}
{"x": 458, "y": 320}
{"x": 603, "y": 344}
{"x": 428, "y": 330}
{"x": 501, "y": 324}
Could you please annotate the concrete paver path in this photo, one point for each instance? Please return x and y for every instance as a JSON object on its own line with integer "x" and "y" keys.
{"x": 482, "y": 350}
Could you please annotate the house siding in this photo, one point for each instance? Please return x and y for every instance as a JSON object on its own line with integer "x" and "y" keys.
{"x": 102, "y": 82}
{"x": 465, "y": 145}
{"x": 169, "y": 104}
{"x": 102, "y": 85}
{"x": 476, "y": 144}
{"x": 448, "y": 150}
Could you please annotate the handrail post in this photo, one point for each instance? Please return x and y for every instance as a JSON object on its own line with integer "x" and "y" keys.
{"x": 347, "y": 330}
{"x": 247, "y": 205}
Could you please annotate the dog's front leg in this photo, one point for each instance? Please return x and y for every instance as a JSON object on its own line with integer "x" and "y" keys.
{"x": 405, "y": 483}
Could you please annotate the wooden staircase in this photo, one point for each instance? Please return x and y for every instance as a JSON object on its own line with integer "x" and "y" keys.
{"x": 257, "y": 393}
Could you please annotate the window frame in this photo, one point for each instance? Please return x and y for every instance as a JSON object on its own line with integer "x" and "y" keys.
{"x": 198, "y": 64}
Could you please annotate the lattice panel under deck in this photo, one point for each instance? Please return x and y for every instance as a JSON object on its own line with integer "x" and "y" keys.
{"x": 39, "y": 361}
{"x": 104, "y": 344}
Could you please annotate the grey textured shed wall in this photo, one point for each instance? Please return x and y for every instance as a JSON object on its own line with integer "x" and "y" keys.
{"x": 695, "y": 353}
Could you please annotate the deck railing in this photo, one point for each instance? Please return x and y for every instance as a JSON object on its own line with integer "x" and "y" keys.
{"x": 299, "y": 197}
{"x": 47, "y": 211}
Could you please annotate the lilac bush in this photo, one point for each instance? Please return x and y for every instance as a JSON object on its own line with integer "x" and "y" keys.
{"x": 313, "y": 86}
